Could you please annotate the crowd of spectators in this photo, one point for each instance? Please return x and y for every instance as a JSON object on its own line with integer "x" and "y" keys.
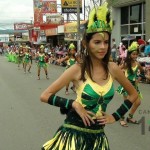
{"x": 56, "y": 53}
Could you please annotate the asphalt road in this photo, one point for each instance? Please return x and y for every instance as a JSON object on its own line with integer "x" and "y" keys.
{"x": 26, "y": 123}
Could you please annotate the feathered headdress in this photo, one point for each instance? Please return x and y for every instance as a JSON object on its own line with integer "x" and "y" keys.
{"x": 133, "y": 47}
{"x": 71, "y": 46}
{"x": 41, "y": 47}
{"x": 99, "y": 20}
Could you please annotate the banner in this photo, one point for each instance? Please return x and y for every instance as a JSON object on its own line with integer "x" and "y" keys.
{"x": 51, "y": 32}
{"x": 33, "y": 35}
{"x": 21, "y": 26}
{"x": 41, "y": 7}
{"x": 70, "y": 6}
{"x": 38, "y": 17}
{"x": 49, "y": 6}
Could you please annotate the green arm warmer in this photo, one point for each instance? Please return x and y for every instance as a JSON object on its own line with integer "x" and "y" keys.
{"x": 60, "y": 102}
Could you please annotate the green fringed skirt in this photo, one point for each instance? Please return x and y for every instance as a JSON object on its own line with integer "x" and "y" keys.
{"x": 42, "y": 65}
{"x": 73, "y": 135}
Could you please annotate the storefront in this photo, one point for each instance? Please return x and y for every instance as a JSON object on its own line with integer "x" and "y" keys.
{"x": 60, "y": 35}
{"x": 131, "y": 18}
{"x": 51, "y": 35}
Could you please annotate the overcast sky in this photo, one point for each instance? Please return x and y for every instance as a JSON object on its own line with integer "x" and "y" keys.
{"x": 15, "y": 10}
{"x": 12, "y": 11}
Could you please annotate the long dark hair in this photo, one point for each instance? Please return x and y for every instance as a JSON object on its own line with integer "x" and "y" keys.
{"x": 86, "y": 64}
{"x": 128, "y": 62}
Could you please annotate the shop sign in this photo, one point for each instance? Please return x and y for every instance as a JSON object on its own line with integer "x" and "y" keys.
{"x": 60, "y": 29}
{"x": 42, "y": 32}
{"x": 50, "y": 32}
{"x": 72, "y": 27}
{"x": 54, "y": 19}
{"x": 21, "y": 26}
{"x": 70, "y": 6}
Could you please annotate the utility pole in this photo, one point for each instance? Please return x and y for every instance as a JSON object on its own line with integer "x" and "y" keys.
{"x": 78, "y": 25}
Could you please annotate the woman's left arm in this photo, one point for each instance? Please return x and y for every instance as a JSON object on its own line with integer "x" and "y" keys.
{"x": 119, "y": 76}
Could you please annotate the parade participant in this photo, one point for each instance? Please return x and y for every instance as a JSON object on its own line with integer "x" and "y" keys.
{"x": 83, "y": 128}
{"x": 27, "y": 59}
{"x": 71, "y": 60}
{"x": 23, "y": 59}
{"x": 13, "y": 56}
{"x": 42, "y": 62}
{"x": 20, "y": 56}
{"x": 131, "y": 67}
{"x": 9, "y": 56}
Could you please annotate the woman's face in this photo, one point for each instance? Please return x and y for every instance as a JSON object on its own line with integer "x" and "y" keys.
{"x": 98, "y": 45}
{"x": 27, "y": 50}
{"x": 73, "y": 51}
{"x": 41, "y": 50}
{"x": 134, "y": 55}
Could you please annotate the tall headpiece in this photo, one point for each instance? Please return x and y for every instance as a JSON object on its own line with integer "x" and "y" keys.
{"x": 41, "y": 47}
{"x": 133, "y": 47}
{"x": 71, "y": 46}
{"x": 99, "y": 19}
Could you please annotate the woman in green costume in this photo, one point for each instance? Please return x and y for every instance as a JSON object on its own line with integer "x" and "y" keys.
{"x": 27, "y": 59}
{"x": 9, "y": 56}
{"x": 83, "y": 128}
{"x": 41, "y": 62}
{"x": 20, "y": 56}
{"x": 131, "y": 67}
{"x": 70, "y": 60}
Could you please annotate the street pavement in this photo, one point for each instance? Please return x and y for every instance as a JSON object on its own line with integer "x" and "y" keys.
{"x": 26, "y": 123}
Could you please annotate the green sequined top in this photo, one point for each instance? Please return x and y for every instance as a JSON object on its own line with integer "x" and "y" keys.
{"x": 41, "y": 57}
{"x": 70, "y": 62}
{"x": 133, "y": 76}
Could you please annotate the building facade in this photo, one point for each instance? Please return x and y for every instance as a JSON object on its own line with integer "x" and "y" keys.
{"x": 131, "y": 18}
